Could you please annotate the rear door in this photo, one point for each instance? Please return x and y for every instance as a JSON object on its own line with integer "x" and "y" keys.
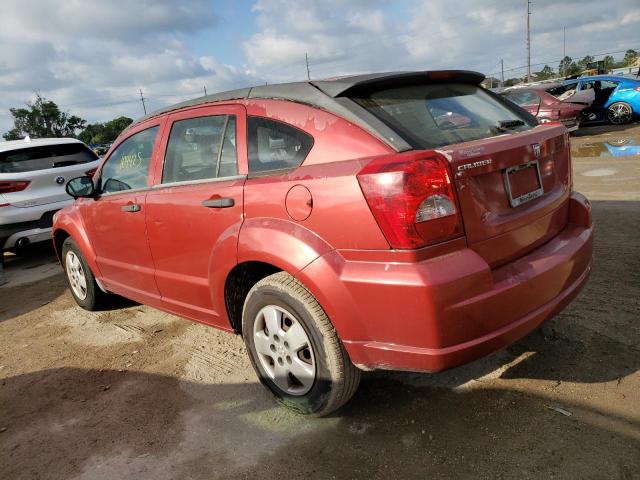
{"x": 115, "y": 220}
{"x": 195, "y": 210}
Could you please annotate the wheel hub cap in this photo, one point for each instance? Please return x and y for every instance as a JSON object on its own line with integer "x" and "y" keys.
{"x": 284, "y": 350}
{"x": 76, "y": 276}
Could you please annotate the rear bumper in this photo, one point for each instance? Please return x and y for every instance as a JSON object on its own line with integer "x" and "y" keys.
{"x": 450, "y": 310}
{"x": 34, "y": 231}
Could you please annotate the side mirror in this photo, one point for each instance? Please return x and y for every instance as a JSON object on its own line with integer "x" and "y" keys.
{"x": 80, "y": 187}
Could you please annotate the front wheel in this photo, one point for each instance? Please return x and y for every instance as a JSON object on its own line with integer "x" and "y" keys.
{"x": 82, "y": 283}
{"x": 619, "y": 113}
{"x": 294, "y": 348}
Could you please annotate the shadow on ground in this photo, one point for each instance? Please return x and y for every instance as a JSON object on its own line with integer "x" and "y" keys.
{"x": 108, "y": 424}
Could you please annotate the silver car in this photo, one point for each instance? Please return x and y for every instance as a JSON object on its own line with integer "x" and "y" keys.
{"x": 33, "y": 175}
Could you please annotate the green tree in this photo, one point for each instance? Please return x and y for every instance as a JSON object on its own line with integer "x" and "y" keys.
{"x": 630, "y": 57}
{"x": 608, "y": 62}
{"x": 42, "y": 118}
{"x": 585, "y": 61}
{"x": 568, "y": 67}
{"x": 104, "y": 132}
{"x": 545, "y": 73}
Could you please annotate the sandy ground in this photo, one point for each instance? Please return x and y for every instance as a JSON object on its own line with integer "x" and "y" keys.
{"x": 134, "y": 393}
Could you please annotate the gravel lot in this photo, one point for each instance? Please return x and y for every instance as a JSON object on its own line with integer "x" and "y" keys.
{"x": 134, "y": 393}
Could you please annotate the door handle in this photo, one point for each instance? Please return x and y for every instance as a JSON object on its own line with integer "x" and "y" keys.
{"x": 132, "y": 207}
{"x": 219, "y": 203}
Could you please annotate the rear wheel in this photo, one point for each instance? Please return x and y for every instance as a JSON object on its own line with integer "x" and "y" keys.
{"x": 619, "y": 113}
{"x": 294, "y": 348}
{"x": 82, "y": 283}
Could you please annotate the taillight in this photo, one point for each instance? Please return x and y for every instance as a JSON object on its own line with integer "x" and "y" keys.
{"x": 91, "y": 172}
{"x": 637, "y": 89}
{"x": 412, "y": 198}
{"x": 10, "y": 186}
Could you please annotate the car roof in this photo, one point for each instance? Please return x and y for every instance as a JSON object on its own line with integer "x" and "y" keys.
{"x": 34, "y": 142}
{"x": 332, "y": 95}
{"x": 606, "y": 77}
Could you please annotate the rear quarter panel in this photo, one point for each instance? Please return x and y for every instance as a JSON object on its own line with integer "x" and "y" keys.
{"x": 339, "y": 215}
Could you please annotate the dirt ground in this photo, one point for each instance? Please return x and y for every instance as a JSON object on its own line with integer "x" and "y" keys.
{"x": 134, "y": 393}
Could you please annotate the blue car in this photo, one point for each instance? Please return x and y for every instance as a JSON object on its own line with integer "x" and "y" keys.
{"x": 617, "y": 98}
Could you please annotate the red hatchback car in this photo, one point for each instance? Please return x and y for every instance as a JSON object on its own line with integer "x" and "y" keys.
{"x": 547, "y": 108}
{"x": 337, "y": 225}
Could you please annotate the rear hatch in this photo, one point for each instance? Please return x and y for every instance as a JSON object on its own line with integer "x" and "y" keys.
{"x": 37, "y": 175}
{"x": 511, "y": 175}
{"x": 512, "y": 190}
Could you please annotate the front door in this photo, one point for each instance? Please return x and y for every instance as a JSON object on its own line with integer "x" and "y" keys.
{"x": 194, "y": 212}
{"x": 115, "y": 220}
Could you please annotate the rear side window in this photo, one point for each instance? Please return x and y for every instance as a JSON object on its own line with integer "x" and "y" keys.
{"x": 435, "y": 115}
{"x": 127, "y": 168}
{"x": 275, "y": 145}
{"x": 201, "y": 148}
{"x": 44, "y": 157}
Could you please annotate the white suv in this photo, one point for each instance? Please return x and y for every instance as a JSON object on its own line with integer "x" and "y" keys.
{"x": 33, "y": 175}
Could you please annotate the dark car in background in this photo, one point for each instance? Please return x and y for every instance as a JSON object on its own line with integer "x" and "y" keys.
{"x": 546, "y": 107}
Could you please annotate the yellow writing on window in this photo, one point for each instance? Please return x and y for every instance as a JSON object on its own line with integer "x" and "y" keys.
{"x": 131, "y": 161}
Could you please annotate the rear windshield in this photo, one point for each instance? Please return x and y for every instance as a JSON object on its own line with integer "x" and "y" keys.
{"x": 434, "y": 115}
{"x": 43, "y": 157}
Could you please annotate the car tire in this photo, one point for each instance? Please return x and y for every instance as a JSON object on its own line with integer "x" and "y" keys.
{"x": 300, "y": 358}
{"x": 619, "y": 113}
{"x": 82, "y": 283}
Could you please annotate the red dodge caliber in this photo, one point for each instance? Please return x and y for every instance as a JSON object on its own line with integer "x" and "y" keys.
{"x": 338, "y": 225}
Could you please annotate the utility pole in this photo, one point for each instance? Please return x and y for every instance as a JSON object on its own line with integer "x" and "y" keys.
{"x": 205, "y": 90}
{"x": 306, "y": 57}
{"x": 528, "y": 43}
{"x": 564, "y": 49}
{"x": 502, "y": 73}
{"x": 144, "y": 107}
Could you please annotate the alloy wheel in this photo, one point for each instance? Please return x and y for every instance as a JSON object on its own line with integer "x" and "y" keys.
{"x": 619, "y": 113}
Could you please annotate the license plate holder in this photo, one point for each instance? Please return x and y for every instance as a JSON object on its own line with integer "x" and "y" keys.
{"x": 514, "y": 190}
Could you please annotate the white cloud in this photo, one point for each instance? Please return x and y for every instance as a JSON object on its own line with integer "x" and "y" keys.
{"x": 92, "y": 56}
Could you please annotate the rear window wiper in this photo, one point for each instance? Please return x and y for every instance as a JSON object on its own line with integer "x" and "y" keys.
{"x": 505, "y": 125}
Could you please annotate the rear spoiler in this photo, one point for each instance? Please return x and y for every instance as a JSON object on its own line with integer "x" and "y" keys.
{"x": 349, "y": 86}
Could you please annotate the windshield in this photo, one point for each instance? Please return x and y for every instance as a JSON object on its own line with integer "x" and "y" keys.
{"x": 435, "y": 115}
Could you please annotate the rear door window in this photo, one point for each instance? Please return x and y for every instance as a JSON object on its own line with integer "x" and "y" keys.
{"x": 523, "y": 97}
{"x": 201, "y": 148}
{"x": 44, "y": 157}
{"x": 127, "y": 168}
{"x": 275, "y": 145}
{"x": 416, "y": 113}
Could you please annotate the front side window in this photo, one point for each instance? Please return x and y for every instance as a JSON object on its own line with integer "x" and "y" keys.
{"x": 43, "y": 157}
{"x": 127, "y": 168}
{"x": 275, "y": 145}
{"x": 201, "y": 148}
{"x": 435, "y": 115}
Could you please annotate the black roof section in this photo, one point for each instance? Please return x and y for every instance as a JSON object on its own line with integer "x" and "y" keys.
{"x": 333, "y": 95}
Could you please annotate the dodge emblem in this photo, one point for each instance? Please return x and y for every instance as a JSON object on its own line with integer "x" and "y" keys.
{"x": 536, "y": 149}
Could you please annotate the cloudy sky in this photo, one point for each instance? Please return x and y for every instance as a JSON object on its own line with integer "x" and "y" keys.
{"x": 92, "y": 56}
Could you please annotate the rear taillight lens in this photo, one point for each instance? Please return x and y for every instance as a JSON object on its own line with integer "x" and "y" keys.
{"x": 91, "y": 172}
{"x": 10, "y": 186}
{"x": 637, "y": 89}
{"x": 412, "y": 198}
